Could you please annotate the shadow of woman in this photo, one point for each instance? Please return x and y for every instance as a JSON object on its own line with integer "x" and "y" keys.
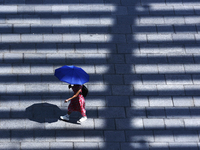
{"x": 43, "y": 112}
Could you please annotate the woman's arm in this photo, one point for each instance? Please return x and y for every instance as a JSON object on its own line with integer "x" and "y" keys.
{"x": 77, "y": 93}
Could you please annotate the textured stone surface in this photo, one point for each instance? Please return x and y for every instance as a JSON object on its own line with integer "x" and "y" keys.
{"x": 143, "y": 60}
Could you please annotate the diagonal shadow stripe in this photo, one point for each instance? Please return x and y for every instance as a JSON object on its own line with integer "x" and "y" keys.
{"x": 18, "y": 133}
{"x": 93, "y": 14}
{"x": 125, "y": 2}
{"x": 148, "y": 113}
{"x": 56, "y": 29}
{"x": 91, "y": 46}
{"x": 28, "y": 78}
{"x": 103, "y": 28}
{"x": 187, "y": 90}
{"x": 44, "y": 2}
{"x": 149, "y": 59}
{"x": 54, "y": 15}
{"x": 161, "y": 42}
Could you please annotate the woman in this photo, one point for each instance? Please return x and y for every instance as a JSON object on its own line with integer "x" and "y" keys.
{"x": 77, "y": 103}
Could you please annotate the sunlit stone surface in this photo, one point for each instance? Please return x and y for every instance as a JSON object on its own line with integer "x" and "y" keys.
{"x": 143, "y": 60}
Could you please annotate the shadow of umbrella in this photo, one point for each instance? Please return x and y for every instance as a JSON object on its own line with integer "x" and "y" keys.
{"x": 43, "y": 112}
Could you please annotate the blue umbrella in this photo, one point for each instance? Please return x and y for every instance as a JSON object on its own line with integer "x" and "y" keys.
{"x": 72, "y": 75}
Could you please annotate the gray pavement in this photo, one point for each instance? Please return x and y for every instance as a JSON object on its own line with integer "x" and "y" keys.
{"x": 143, "y": 59}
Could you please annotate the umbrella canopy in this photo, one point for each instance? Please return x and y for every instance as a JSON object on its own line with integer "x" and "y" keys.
{"x": 72, "y": 75}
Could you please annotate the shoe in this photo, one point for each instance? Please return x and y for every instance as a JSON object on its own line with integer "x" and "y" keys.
{"x": 64, "y": 117}
{"x": 82, "y": 119}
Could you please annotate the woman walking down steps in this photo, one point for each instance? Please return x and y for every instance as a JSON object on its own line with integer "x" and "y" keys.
{"x": 77, "y": 103}
{"x": 77, "y": 77}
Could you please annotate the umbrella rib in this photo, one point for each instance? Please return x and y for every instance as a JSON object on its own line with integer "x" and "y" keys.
{"x": 78, "y": 75}
{"x": 85, "y": 75}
